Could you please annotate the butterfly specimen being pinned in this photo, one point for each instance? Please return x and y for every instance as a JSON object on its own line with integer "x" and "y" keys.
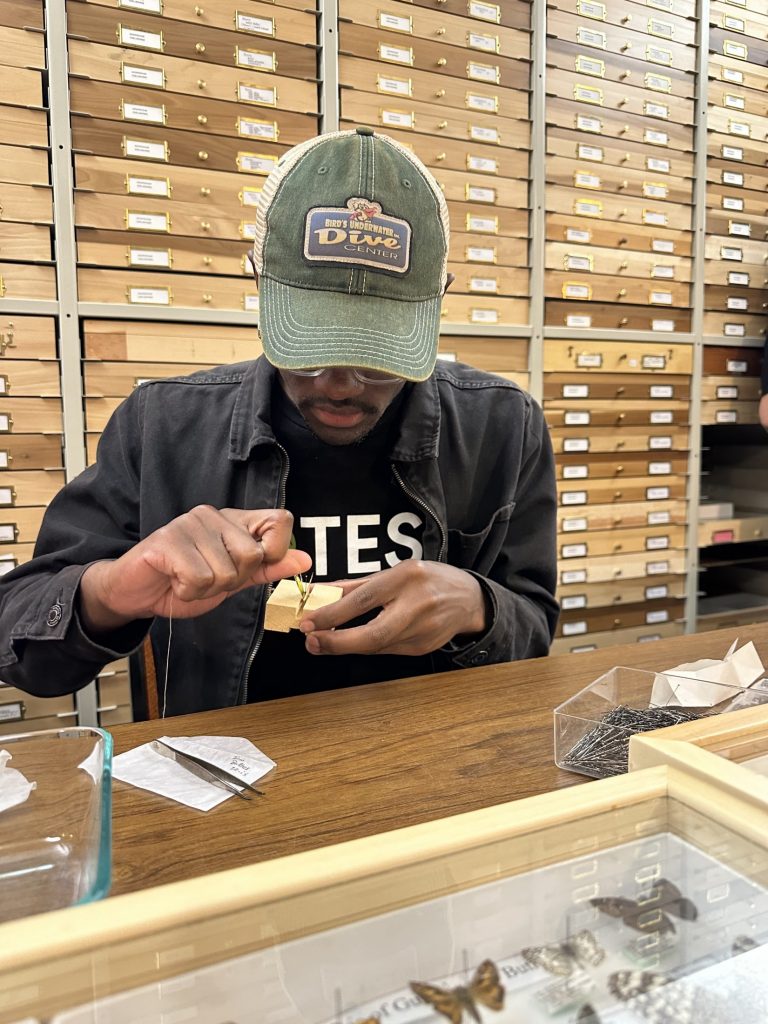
{"x": 650, "y": 912}
{"x": 581, "y": 950}
{"x": 485, "y": 989}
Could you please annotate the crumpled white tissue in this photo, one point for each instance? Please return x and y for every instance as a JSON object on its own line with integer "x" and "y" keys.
{"x": 14, "y": 787}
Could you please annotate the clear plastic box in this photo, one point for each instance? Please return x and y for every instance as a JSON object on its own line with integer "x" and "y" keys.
{"x": 592, "y": 728}
{"x": 55, "y": 847}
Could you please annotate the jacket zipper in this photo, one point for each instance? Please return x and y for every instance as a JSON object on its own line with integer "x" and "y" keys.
{"x": 270, "y": 587}
{"x": 422, "y": 504}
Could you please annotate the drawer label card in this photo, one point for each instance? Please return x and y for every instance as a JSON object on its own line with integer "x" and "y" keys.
{"x": 484, "y": 316}
{"x": 656, "y": 493}
{"x": 654, "y": 363}
{"x": 569, "y": 604}
{"x": 656, "y": 543}
{"x": 664, "y": 29}
{"x": 658, "y": 518}
{"x": 726, "y": 391}
{"x": 489, "y": 104}
{"x": 590, "y": 66}
{"x": 153, "y": 78}
{"x": 732, "y": 48}
{"x": 482, "y": 133}
{"x": 663, "y": 325}
{"x": 483, "y": 284}
{"x": 250, "y": 23}
{"x": 574, "y": 628}
{"x": 661, "y": 5}
{"x": 656, "y": 568}
{"x": 655, "y": 217}
{"x": 481, "y": 72}
{"x": 728, "y": 252}
{"x": 136, "y": 186}
{"x": 575, "y": 261}
{"x": 657, "y": 592}
{"x": 479, "y": 41}
{"x": 582, "y": 179}
{"x": 588, "y": 94}
{"x": 661, "y": 416}
{"x": 659, "y": 468}
{"x": 397, "y": 118}
{"x": 737, "y": 303}
{"x": 736, "y": 366}
{"x": 573, "y": 551}
{"x": 266, "y": 130}
{"x": 737, "y": 24}
{"x": 149, "y": 258}
{"x": 655, "y": 190}
{"x": 591, "y": 9}
{"x": 659, "y": 443}
{"x": 738, "y": 277}
{"x": 579, "y": 321}
{"x": 658, "y": 83}
{"x": 655, "y": 163}
{"x": 588, "y": 207}
{"x": 395, "y": 86}
{"x": 396, "y": 54}
{"x": 589, "y": 124}
{"x": 13, "y": 711}
{"x": 139, "y": 221}
{"x": 255, "y": 59}
{"x": 256, "y": 94}
{"x": 145, "y": 6}
{"x": 249, "y": 196}
{"x": 247, "y": 229}
{"x": 4, "y": 460}
{"x": 480, "y": 194}
{"x": 742, "y": 128}
{"x": 482, "y": 163}
{"x": 660, "y": 270}
{"x": 7, "y": 496}
{"x": 660, "y": 298}
{"x": 144, "y": 150}
{"x": 142, "y": 112}
{"x": 734, "y": 102}
{"x": 656, "y": 109}
{"x": 573, "y": 498}
{"x": 575, "y": 391}
{"x": 141, "y": 40}
{"x": 740, "y": 228}
{"x": 662, "y": 245}
{"x": 661, "y": 615}
{"x": 483, "y": 225}
{"x": 657, "y": 55}
{"x": 251, "y": 304}
{"x": 576, "y": 444}
{"x": 654, "y": 138}
{"x": 589, "y": 152}
{"x": 733, "y": 178}
{"x": 591, "y": 37}
{"x": 575, "y": 524}
{"x": 734, "y": 330}
{"x": 476, "y": 254}
{"x": 6, "y": 422}
{"x": 581, "y": 235}
{"x": 726, "y": 416}
{"x": 575, "y": 472}
{"x": 150, "y": 296}
{"x": 577, "y": 417}
{"x": 732, "y": 152}
{"x": 8, "y": 533}
{"x": 733, "y": 203}
{"x": 256, "y": 163}
{"x": 486, "y": 12}
{"x": 575, "y": 290}
{"x": 573, "y": 576}
{"x": 732, "y": 75}
{"x": 590, "y": 360}
{"x": 395, "y": 22}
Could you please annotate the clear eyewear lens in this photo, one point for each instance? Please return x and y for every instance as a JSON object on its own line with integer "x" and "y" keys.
{"x": 363, "y": 375}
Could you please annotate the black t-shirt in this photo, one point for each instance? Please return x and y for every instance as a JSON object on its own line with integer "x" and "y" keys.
{"x": 354, "y": 519}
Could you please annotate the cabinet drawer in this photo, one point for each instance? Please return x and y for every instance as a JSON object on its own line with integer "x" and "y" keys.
{"x": 622, "y": 318}
{"x": 384, "y": 80}
{"x": 28, "y": 13}
{"x": 612, "y": 593}
{"x": 733, "y": 252}
{"x": 450, "y": 154}
{"x": 473, "y": 280}
{"x": 731, "y": 70}
{"x": 612, "y": 357}
{"x": 384, "y": 112}
{"x": 734, "y": 325}
{"x": 30, "y": 204}
{"x": 20, "y": 86}
{"x": 567, "y": 227}
{"x": 512, "y": 13}
{"x": 468, "y": 187}
{"x": 24, "y": 166}
{"x": 640, "y": 19}
{"x": 20, "y": 123}
{"x": 191, "y": 78}
{"x": 630, "y": 211}
{"x": 600, "y": 123}
{"x": 479, "y": 38}
{"x": 655, "y": 394}
{"x": 216, "y": 152}
{"x": 13, "y": 555}
{"x": 27, "y": 337}
{"x": 621, "y": 265}
{"x": 30, "y": 451}
{"x": 637, "y": 634}
{"x": 178, "y": 254}
{"x": 144, "y": 34}
{"x": 20, "y": 525}
{"x": 598, "y": 178}
{"x": 35, "y": 377}
{"x": 135, "y": 109}
{"x": 29, "y": 487}
{"x": 574, "y": 416}
{"x": 596, "y": 92}
{"x": 109, "y": 380}
{"x": 98, "y": 411}
{"x": 575, "y": 467}
{"x": 568, "y": 440}
{"x": 730, "y": 531}
{"x": 25, "y": 242}
{"x": 477, "y": 309}
{"x": 657, "y": 52}
{"x": 616, "y": 517}
{"x": 729, "y": 412}
{"x": 487, "y": 251}
{"x": 27, "y": 281}
{"x": 489, "y": 222}
{"x": 22, "y": 48}
{"x": 18, "y": 706}
{"x": 602, "y": 288}
{"x": 620, "y": 542}
{"x": 163, "y": 218}
{"x": 748, "y": 20}
{"x": 730, "y": 299}
{"x": 725, "y": 273}
{"x": 573, "y": 494}
{"x": 639, "y": 615}
{"x": 735, "y": 44}
{"x": 640, "y": 565}
{"x": 735, "y": 200}
{"x": 144, "y": 341}
{"x": 28, "y": 416}
{"x": 728, "y": 389}
{"x": 637, "y": 157}
{"x": 742, "y": 151}
{"x": 496, "y": 355}
{"x": 615, "y": 67}
{"x": 452, "y": 61}
{"x": 162, "y": 289}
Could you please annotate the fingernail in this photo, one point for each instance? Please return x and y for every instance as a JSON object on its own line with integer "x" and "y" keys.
{"x": 312, "y": 644}
{"x": 306, "y": 626}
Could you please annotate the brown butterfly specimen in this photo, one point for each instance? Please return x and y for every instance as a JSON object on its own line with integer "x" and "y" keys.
{"x": 587, "y": 1015}
{"x": 484, "y": 989}
{"x": 650, "y": 912}
{"x": 581, "y": 950}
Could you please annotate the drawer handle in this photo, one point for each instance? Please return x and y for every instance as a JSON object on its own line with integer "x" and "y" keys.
{"x": 617, "y": 622}
{"x": 441, "y": 62}
{"x": 207, "y": 261}
{"x": 201, "y": 83}
{"x": 758, "y": 533}
{"x": 624, "y": 159}
{"x": 618, "y": 520}
{"x": 618, "y": 547}
{"x": 626, "y": 19}
{"x": 620, "y": 390}
{"x": 199, "y": 47}
{"x": 621, "y": 293}
{"x": 622, "y": 213}
{"x": 199, "y": 11}
{"x": 439, "y": 94}
{"x": 207, "y": 297}
{"x": 625, "y": 47}
{"x": 620, "y": 417}
{"x": 617, "y": 573}
{"x": 623, "y": 241}
{"x": 623, "y": 322}
{"x": 619, "y": 469}
{"x": 620, "y": 445}
{"x": 205, "y": 225}
{"x": 624, "y": 129}
{"x": 622, "y": 102}
{"x": 623, "y": 266}
{"x": 617, "y": 495}
{"x": 440, "y": 32}
{"x": 441, "y": 156}
{"x": 204, "y": 191}
{"x": 623, "y": 185}
{"x": 442, "y": 124}
{"x": 624, "y": 75}
{"x": 202, "y": 119}
{"x": 202, "y": 155}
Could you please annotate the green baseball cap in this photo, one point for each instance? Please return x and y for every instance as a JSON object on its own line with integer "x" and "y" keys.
{"x": 351, "y": 248}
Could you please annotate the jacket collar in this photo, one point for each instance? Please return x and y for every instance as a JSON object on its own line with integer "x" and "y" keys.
{"x": 251, "y": 418}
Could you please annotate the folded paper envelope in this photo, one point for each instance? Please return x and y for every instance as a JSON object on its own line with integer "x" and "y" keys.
{"x": 707, "y": 682}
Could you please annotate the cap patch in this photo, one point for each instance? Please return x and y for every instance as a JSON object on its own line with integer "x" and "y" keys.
{"x": 358, "y": 234}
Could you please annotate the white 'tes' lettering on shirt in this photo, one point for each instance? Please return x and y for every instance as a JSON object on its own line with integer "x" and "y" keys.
{"x": 363, "y": 533}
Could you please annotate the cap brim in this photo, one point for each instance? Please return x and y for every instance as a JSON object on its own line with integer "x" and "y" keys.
{"x": 303, "y": 327}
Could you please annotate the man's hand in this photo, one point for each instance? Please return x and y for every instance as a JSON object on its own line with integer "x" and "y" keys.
{"x": 423, "y": 606}
{"x": 762, "y": 411}
{"x": 190, "y": 566}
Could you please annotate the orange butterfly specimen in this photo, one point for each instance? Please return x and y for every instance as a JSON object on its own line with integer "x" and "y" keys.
{"x": 485, "y": 988}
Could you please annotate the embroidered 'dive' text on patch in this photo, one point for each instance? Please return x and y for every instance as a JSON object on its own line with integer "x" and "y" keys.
{"x": 358, "y": 234}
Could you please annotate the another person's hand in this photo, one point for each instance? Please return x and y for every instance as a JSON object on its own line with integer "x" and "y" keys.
{"x": 423, "y": 606}
{"x": 762, "y": 411}
{"x": 190, "y": 566}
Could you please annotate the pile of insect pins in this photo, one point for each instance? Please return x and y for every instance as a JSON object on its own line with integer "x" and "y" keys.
{"x": 604, "y": 750}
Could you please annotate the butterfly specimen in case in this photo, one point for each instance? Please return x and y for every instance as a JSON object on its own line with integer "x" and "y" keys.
{"x": 650, "y": 912}
{"x": 581, "y": 950}
{"x": 587, "y": 1015}
{"x": 485, "y": 989}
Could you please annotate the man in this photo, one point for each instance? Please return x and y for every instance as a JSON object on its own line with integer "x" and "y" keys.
{"x": 428, "y": 492}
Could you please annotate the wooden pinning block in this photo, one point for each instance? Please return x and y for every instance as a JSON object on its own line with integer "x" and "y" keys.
{"x": 283, "y": 604}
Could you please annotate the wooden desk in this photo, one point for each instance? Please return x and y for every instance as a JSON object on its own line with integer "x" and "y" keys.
{"x": 358, "y": 761}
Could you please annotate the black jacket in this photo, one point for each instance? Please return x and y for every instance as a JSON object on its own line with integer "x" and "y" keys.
{"x": 473, "y": 451}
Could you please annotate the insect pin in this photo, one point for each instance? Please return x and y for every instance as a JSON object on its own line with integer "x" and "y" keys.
{"x": 305, "y": 589}
{"x": 484, "y": 989}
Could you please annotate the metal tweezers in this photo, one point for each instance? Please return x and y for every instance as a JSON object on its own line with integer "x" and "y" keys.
{"x": 205, "y": 770}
